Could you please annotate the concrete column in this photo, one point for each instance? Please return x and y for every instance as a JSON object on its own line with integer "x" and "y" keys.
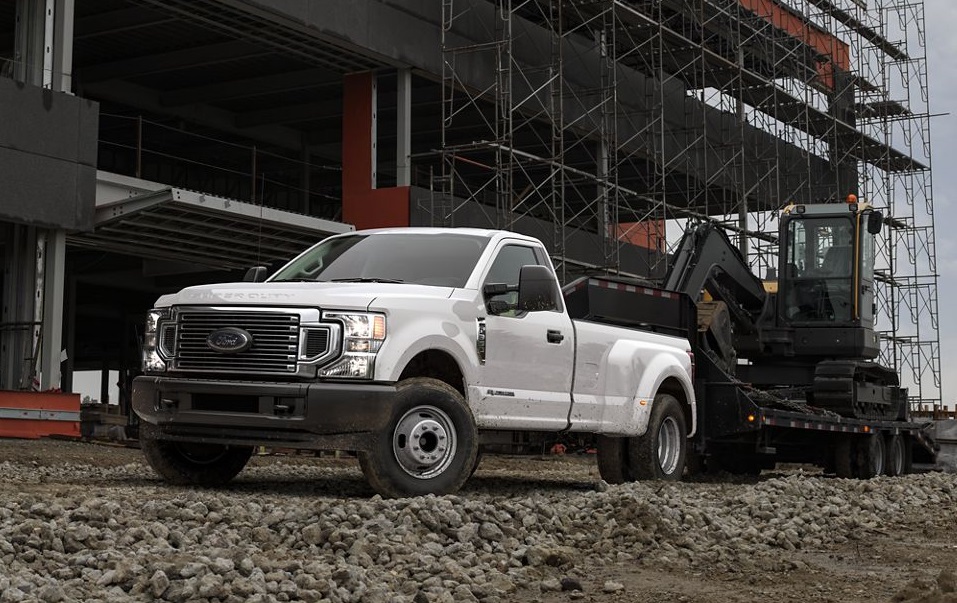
{"x": 30, "y": 38}
{"x": 403, "y": 149}
{"x": 51, "y": 346}
{"x": 63, "y": 49}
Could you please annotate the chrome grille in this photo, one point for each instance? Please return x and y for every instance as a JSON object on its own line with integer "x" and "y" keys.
{"x": 275, "y": 341}
{"x": 168, "y": 340}
{"x": 317, "y": 342}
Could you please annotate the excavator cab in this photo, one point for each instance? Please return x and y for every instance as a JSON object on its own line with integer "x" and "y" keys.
{"x": 826, "y": 276}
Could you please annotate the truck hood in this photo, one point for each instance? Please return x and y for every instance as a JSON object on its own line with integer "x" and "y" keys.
{"x": 322, "y": 295}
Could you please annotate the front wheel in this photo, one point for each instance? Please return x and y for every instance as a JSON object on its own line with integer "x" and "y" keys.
{"x": 660, "y": 453}
{"x": 428, "y": 447}
{"x": 192, "y": 464}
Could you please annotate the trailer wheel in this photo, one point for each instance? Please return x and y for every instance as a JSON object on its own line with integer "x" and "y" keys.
{"x": 189, "y": 464}
{"x": 660, "y": 453}
{"x": 429, "y": 445}
{"x": 845, "y": 458}
{"x": 871, "y": 454}
{"x": 896, "y": 461}
{"x": 613, "y": 460}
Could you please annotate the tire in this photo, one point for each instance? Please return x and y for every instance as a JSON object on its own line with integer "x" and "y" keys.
{"x": 845, "y": 458}
{"x": 895, "y": 461}
{"x": 660, "y": 453}
{"x": 613, "y": 464}
{"x": 192, "y": 464}
{"x": 871, "y": 454}
{"x": 428, "y": 447}
{"x": 475, "y": 465}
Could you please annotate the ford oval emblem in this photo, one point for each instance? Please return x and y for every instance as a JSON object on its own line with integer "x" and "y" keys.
{"x": 230, "y": 340}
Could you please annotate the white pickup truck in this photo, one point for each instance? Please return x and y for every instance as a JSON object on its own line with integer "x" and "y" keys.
{"x": 416, "y": 348}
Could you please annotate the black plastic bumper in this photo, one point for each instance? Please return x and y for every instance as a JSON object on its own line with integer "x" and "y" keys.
{"x": 294, "y": 415}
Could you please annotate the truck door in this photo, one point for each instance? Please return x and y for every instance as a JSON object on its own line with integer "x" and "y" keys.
{"x": 527, "y": 376}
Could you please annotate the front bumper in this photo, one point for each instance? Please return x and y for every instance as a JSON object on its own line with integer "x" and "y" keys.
{"x": 252, "y": 413}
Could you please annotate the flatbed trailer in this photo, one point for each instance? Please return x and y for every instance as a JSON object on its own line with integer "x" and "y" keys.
{"x": 744, "y": 429}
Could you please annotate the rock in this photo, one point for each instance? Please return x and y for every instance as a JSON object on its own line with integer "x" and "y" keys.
{"x": 611, "y": 586}
{"x": 490, "y": 531}
{"x": 947, "y": 582}
{"x": 158, "y": 583}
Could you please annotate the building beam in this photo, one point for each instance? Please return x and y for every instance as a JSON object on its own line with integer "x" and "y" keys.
{"x": 116, "y": 21}
{"x": 290, "y": 114}
{"x": 254, "y": 86}
{"x": 147, "y": 99}
{"x": 184, "y": 58}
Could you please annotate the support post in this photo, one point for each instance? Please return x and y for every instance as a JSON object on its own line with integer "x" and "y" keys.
{"x": 51, "y": 347}
{"x": 63, "y": 56}
{"x": 403, "y": 138}
{"x": 374, "y": 131}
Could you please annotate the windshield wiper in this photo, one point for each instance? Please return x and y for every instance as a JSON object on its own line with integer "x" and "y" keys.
{"x": 365, "y": 280}
{"x": 294, "y": 280}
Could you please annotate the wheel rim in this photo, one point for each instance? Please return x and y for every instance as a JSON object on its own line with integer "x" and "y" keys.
{"x": 424, "y": 442}
{"x": 878, "y": 459}
{"x": 897, "y": 456}
{"x": 669, "y": 445}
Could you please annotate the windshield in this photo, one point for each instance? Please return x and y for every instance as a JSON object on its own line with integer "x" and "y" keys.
{"x": 819, "y": 270}
{"x": 440, "y": 259}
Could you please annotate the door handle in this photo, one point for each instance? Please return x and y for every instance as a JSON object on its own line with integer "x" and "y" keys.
{"x": 554, "y": 336}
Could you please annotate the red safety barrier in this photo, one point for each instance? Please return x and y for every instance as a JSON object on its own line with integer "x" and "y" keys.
{"x": 39, "y": 414}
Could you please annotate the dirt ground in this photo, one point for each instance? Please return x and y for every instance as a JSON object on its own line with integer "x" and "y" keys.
{"x": 875, "y": 567}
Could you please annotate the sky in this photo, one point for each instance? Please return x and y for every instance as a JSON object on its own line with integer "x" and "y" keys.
{"x": 940, "y": 27}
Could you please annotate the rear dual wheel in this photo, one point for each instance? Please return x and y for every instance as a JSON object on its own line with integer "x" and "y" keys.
{"x": 659, "y": 454}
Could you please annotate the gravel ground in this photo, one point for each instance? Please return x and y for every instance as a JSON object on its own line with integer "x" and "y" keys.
{"x": 85, "y": 522}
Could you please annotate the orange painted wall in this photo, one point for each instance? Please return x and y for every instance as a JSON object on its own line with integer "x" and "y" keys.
{"x": 819, "y": 39}
{"x": 649, "y": 234}
{"x": 362, "y": 205}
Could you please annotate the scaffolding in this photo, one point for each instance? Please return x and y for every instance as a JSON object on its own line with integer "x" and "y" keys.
{"x": 605, "y": 123}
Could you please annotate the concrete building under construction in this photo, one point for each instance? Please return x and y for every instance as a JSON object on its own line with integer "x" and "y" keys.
{"x": 147, "y": 145}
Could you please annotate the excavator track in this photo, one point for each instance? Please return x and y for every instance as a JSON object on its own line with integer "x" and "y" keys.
{"x": 859, "y": 389}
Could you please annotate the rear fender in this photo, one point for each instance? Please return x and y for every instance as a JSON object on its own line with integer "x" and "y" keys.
{"x": 663, "y": 366}
{"x": 635, "y": 373}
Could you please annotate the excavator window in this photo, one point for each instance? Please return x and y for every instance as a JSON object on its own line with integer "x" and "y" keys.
{"x": 819, "y": 270}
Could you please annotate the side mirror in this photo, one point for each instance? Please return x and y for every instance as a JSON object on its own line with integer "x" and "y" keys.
{"x": 875, "y": 220}
{"x": 256, "y": 274}
{"x": 536, "y": 289}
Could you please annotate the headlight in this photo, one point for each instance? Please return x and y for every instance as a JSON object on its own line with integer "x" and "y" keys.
{"x": 152, "y": 361}
{"x": 362, "y": 336}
